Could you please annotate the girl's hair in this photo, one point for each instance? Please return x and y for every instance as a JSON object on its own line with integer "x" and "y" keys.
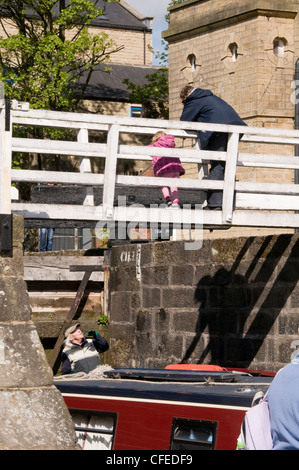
{"x": 157, "y": 136}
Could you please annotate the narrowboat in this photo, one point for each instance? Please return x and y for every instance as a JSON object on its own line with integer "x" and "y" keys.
{"x": 176, "y": 408}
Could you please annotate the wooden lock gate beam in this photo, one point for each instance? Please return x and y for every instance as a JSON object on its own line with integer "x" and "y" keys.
{"x": 55, "y": 359}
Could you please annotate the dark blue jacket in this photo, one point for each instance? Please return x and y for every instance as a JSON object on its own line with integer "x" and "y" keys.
{"x": 203, "y": 106}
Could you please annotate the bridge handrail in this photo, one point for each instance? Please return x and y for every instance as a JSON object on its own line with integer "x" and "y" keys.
{"x": 45, "y": 118}
{"x": 248, "y": 195}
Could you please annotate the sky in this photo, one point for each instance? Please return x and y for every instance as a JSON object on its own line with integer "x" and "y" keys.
{"x": 158, "y": 10}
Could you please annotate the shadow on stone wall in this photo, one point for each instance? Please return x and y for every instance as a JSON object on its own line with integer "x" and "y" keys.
{"x": 241, "y": 316}
{"x": 234, "y": 302}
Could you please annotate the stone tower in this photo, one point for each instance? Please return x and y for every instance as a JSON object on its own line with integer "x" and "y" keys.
{"x": 33, "y": 414}
{"x": 243, "y": 50}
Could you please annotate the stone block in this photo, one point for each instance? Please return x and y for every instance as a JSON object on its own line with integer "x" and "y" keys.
{"x": 156, "y": 275}
{"x": 35, "y": 419}
{"x": 182, "y": 275}
{"x": 147, "y": 346}
{"x": 120, "y": 305}
{"x": 17, "y": 233}
{"x": 284, "y": 350}
{"x": 178, "y": 298}
{"x": 22, "y": 360}
{"x": 229, "y": 297}
{"x": 10, "y": 266}
{"x": 151, "y": 297}
{"x": 122, "y": 352}
{"x": 14, "y": 300}
{"x": 170, "y": 347}
{"x": 186, "y": 322}
{"x": 163, "y": 320}
{"x": 144, "y": 321}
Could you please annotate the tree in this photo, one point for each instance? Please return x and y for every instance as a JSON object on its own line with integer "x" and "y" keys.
{"x": 45, "y": 47}
{"x": 49, "y": 49}
{"x": 153, "y": 95}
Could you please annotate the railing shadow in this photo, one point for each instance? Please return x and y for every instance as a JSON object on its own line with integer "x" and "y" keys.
{"x": 238, "y": 311}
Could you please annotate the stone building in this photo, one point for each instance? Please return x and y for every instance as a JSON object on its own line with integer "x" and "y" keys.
{"x": 245, "y": 52}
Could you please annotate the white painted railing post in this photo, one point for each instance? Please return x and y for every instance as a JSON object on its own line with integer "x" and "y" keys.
{"x": 110, "y": 171}
{"x": 230, "y": 178}
{"x": 85, "y": 167}
{"x": 5, "y": 161}
{"x": 203, "y": 171}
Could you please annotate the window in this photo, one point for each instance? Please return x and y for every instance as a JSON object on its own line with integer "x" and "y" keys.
{"x": 278, "y": 47}
{"x": 234, "y": 51}
{"x": 72, "y": 239}
{"x": 136, "y": 111}
{"x": 191, "y": 434}
{"x": 192, "y": 61}
{"x": 94, "y": 431}
{"x": 191, "y": 68}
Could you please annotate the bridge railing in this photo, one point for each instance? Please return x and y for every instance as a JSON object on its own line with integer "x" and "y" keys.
{"x": 246, "y": 202}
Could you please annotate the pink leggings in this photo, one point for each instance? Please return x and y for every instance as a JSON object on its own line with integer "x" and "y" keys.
{"x": 173, "y": 190}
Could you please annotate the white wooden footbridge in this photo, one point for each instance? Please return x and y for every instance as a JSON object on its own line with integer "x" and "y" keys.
{"x": 245, "y": 202}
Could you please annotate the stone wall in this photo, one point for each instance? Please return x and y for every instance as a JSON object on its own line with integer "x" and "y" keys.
{"x": 33, "y": 414}
{"x": 233, "y": 302}
{"x": 136, "y": 44}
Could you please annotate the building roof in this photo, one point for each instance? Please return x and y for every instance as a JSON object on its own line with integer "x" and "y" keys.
{"x": 109, "y": 85}
{"x": 116, "y": 15}
{"x": 121, "y": 15}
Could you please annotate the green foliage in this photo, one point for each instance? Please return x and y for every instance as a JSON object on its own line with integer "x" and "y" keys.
{"x": 153, "y": 95}
{"x": 51, "y": 49}
{"x": 103, "y": 320}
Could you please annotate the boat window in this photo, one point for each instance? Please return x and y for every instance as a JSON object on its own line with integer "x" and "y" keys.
{"x": 94, "y": 431}
{"x": 191, "y": 434}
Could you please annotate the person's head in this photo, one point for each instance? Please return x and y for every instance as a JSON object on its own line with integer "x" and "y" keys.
{"x": 185, "y": 91}
{"x": 158, "y": 136}
{"x": 74, "y": 333}
{"x": 77, "y": 336}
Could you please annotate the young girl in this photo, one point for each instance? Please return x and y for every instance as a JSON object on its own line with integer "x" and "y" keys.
{"x": 167, "y": 167}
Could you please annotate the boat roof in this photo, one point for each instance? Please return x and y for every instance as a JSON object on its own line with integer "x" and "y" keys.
{"x": 107, "y": 82}
{"x": 211, "y": 387}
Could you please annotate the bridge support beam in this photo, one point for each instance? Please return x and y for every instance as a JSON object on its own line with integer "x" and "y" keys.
{"x": 33, "y": 415}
